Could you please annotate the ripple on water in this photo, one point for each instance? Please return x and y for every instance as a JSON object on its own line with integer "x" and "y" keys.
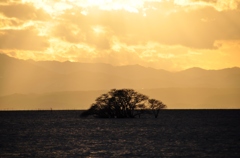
{"x": 174, "y": 133}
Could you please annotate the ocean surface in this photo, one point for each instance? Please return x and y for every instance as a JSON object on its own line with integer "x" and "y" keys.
{"x": 175, "y": 133}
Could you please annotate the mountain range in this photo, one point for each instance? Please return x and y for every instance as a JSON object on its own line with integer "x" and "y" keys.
{"x": 28, "y": 84}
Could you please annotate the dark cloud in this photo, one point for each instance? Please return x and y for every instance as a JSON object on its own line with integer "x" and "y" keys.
{"x": 23, "y": 12}
{"x": 22, "y": 40}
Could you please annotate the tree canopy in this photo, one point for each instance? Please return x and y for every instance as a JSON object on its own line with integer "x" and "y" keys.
{"x": 123, "y": 103}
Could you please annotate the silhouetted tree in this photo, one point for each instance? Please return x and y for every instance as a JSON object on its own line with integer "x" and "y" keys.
{"x": 155, "y": 106}
{"x": 122, "y": 103}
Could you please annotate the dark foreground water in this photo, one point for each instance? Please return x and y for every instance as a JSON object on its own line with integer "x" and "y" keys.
{"x": 176, "y": 133}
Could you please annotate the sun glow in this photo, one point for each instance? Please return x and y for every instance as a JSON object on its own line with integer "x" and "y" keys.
{"x": 62, "y": 5}
{"x": 157, "y": 33}
{"x": 98, "y": 29}
{"x": 98, "y": 2}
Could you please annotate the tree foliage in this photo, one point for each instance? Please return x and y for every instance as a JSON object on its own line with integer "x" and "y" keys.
{"x": 156, "y": 106}
{"x": 123, "y": 103}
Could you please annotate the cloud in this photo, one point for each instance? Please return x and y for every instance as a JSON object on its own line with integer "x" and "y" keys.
{"x": 27, "y": 39}
{"x": 169, "y": 34}
{"x": 196, "y": 28}
{"x": 93, "y": 35}
{"x": 164, "y": 22}
{"x": 23, "y": 11}
{"x": 7, "y": 23}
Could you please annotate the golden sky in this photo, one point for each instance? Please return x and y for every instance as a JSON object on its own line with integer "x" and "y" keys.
{"x": 166, "y": 34}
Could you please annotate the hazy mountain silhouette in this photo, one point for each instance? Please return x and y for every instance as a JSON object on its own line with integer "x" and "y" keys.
{"x": 27, "y": 82}
{"x": 180, "y": 98}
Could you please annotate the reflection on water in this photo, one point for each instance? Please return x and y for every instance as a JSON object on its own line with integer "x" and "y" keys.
{"x": 187, "y": 133}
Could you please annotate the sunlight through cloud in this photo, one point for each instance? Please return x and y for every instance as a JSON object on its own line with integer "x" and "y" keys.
{"x": 169, "y": 34}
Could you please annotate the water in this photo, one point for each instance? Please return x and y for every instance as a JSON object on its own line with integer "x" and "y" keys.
{"x": 176, "y": 133}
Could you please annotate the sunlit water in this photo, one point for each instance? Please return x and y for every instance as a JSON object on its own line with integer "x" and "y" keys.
{"x": 176, "y": 133}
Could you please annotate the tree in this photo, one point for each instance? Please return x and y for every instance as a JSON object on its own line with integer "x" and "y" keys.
{"x": 156, "y": 106}
{"x": 122, "y": 103}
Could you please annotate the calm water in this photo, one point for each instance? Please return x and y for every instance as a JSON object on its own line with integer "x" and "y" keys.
{"x": 176, "y": 133}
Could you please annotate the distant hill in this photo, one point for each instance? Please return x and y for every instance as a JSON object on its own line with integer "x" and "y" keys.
{"x": 174, "y": 98}
{"x": 49, "y": 80}
{"x": 20, "y": 76}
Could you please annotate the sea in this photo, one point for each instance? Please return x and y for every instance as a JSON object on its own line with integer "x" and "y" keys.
{"x": 175, "y": 133}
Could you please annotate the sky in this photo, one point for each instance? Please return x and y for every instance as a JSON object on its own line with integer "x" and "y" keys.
{"x": 163, "y": 34}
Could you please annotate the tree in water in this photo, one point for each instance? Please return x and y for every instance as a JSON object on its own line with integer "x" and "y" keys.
{"x": 155, "y": 106}
{"x": 122, "y": 103}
